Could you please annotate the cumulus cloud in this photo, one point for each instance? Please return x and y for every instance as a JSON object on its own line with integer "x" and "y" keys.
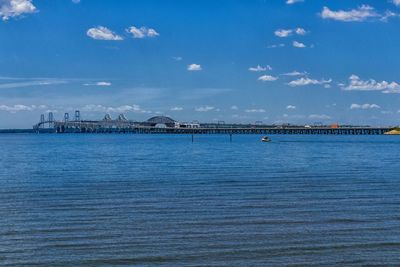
{"x": 194, "y": 67}
{"x": 364, "y": 106}
{"x": 142, "y": 32}
{"x": 359, "y": 14}
{"x": 267, "y": 78}
{"x": 20, "y": 107}
{"x": 103, "y": 33}
{"x": 255, "y": 110}
{"x": 307, "y": 81}
{"x": 234, "y": 107}
{"x": 283, "y": 33}
{"x": 126, "y": 108}
{"x": 300, "y": 31}
{"x": 16, "y": 108}
{"x": 98, "y": 84}
{"x": 103, "y": 84}
{"x": 204, "y": 109}
{"x": 15, "y": 8}
{"x": 291, "y": 2}
{"x": 396, "y": 2}
{"x": 298, "y": 44}
{"x": 118, "y": 109}
{"x": 356, "y": 84}
{"x": 295, "y": 73}
{"x": 176, "y": 109}
{"x": 290, "y": 107}
{"x": 260, "y": 68}
{"x": 288, "y": 32}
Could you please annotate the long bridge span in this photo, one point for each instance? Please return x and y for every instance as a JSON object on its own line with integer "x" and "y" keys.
{"x": 166, "y": 125}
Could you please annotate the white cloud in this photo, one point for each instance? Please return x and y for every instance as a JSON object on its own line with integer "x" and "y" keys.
{"x": 267, "y": 78}
{"x": 295, "y": 73}
{"x": 103, "y": 33}
{"x": 15, "y": 8}
{"x": 361, "y": 13}
{"x": 255, "y": 110}
{"x": 15, "y": 108}
{"x": 125, "y": 108}
{"x": 142, "y": 32}
{"x": 94, "y": 108}
{"x": 300, "y": 31}
{"x": 204, "y": 109}
{"x": 137, "y": 33}
{"x": 276, "y": 46}
{"x": 291, "y": 2}
{"x": 307, "y": 81}
{"x": 98, "y": 84}
{"x": 290, "y": 107}
{"x": 356, "y": 84}
{"x": 288, "y": 32}
{"x": 364, "y": 106}
{"x": 32, "y": 82}
{"x": 119, "y": 109}
{"x": 298, "y": 44}
{"x": 396, "y": 2}
{"x": 194, "y": 67}
{"x": 103, "y": 84}
{"x": 76, "y": 1}
{"x": 176, "y": 109}
{"x": 20, "y": 107}
{"x": 234, "y": 107}
{"x": 388, "y": 14}
{"x": 152, "y": 33}
{"x": 283, "y": 33}
{"x": 319, "y": 116}
{"x": 260, "y": 68}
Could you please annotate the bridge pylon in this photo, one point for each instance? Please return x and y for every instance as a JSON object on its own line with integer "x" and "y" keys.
{"x": 42, "y": 120}
{"x": 77, "y": 115}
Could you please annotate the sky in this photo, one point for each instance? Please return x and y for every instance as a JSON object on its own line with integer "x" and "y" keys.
{"x": 237, "y": 61}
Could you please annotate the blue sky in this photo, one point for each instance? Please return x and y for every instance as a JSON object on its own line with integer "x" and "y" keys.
{"x": 275, "y": 61}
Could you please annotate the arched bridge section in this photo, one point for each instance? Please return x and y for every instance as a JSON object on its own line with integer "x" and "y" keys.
{"x": 153, "y": 121}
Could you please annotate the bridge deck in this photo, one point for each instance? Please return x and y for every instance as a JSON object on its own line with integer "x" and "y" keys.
{"x": 126, "y": 128}
{"x": 123, "y": 125}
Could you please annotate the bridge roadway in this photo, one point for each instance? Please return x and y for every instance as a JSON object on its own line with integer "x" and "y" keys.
{"x": 88, "y": 127}
{"x": 171, "y": 126}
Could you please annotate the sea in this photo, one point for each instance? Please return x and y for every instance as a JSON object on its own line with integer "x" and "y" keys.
{"x": 163, "y": 200}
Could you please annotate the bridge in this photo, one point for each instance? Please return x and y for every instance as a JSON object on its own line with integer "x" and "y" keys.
{"x": 166, "y": 125}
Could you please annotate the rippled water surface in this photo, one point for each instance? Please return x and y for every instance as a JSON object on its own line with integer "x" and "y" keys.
{"x": 94, "y": 200}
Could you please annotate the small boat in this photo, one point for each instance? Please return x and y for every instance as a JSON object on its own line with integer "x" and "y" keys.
{"x": 265, "y": 139}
